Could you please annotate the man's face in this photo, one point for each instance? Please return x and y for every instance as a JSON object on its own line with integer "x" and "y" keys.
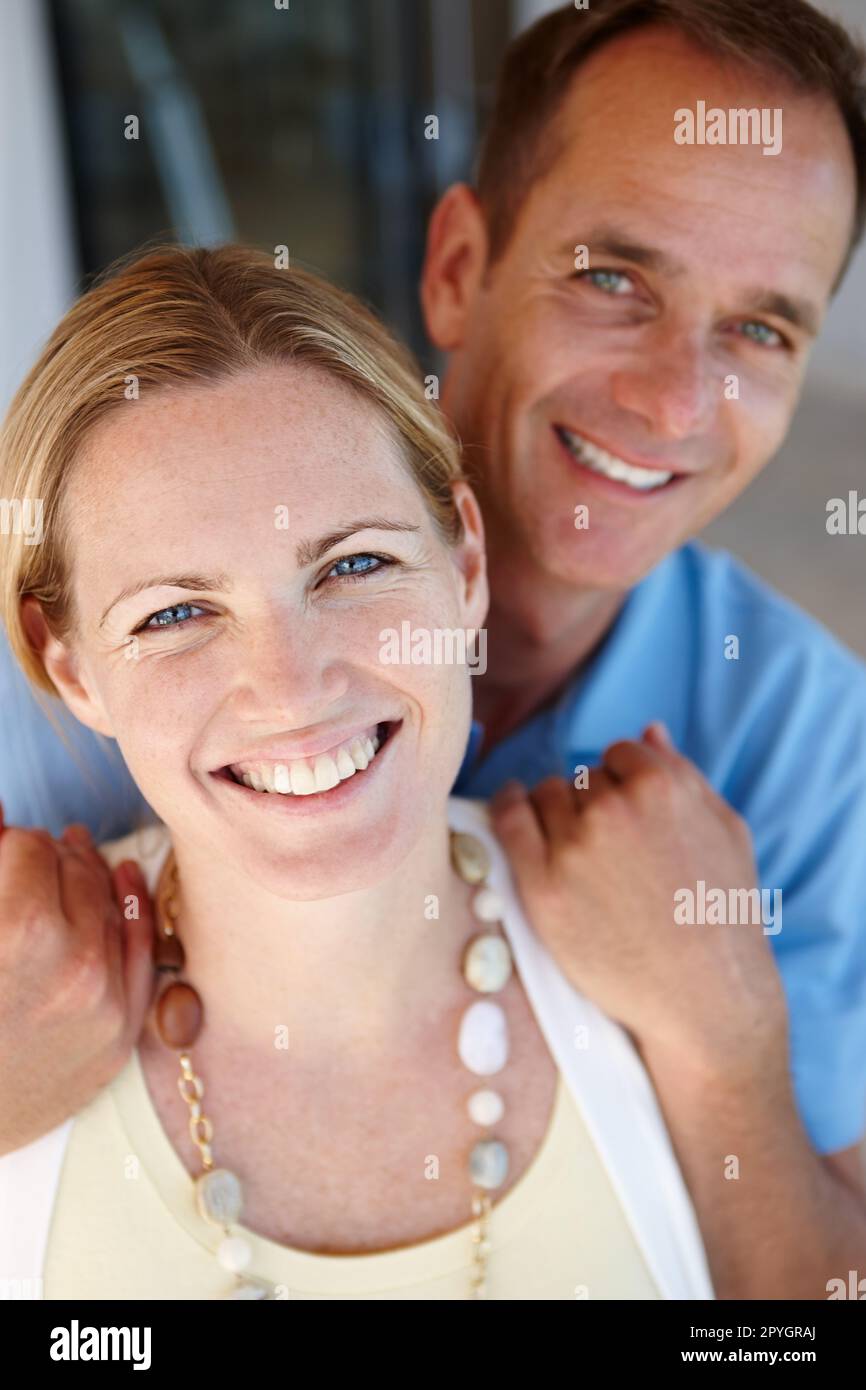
{"x": 674, "y": 351}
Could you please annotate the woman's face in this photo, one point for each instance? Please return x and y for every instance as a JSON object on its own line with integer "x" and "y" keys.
{"x": 238, "y": 553}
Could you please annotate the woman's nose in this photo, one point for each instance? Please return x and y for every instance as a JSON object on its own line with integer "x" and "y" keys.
{"x": 289, "y": 675}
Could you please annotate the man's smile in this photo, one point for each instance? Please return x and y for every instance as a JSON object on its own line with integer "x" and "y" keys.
{"x": 639, "y": 479}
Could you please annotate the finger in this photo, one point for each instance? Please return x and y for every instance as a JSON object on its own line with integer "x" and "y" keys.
{"x": 657, "y": 736}
{"x": 555, "y": 806}
{"x": 30, "y": 868}
{"x": 628, "y": 759}
{"x": 137, "y": 929}
{"x": 599, "y": 783}
{"x": 519, "y": 830}
{"x": 88, "y": 905}
{"x": 78, "y": 838}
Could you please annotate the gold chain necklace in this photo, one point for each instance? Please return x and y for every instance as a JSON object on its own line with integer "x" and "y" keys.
{"x": 482, "y": 1047}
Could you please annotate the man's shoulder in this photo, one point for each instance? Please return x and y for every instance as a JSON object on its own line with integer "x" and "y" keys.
{"x": 771, "y": 625}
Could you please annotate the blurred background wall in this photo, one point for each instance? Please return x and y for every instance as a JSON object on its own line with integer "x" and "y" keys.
{"x": 304, "y": 126}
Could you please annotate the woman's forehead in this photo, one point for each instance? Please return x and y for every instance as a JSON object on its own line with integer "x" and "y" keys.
{"x": 279, "y": 432}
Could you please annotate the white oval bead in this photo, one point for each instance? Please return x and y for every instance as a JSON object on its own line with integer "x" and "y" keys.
{"x": 488, "y": 1163}
{"x": 486, "y": 1107}
{"x": 234, "y": 1253}
{"x": 219, "y": 1197}
{"x": 483, "y": 1040}
{"x": 469, "y": 857}
{"x": 488, "y": 906}
{"x": 487, "y": 963}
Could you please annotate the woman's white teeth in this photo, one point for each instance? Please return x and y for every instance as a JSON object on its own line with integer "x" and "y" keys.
{"x": 599, "y": 461}
{"x": 345, "y": 766}
{"x": 302, "y": 777}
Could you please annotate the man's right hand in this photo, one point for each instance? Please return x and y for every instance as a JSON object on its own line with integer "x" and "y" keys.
{"x": 76, "y": 977}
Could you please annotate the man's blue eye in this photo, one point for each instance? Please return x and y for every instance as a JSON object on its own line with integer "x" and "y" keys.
{"x": 774, "y": 335}
{"x": 356, "y": 566}
{"x": 175, "y": 616}
{"x": 607, "y": 280}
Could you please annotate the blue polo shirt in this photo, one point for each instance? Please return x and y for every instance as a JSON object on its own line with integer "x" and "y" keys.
{"x": 779, "y": 731}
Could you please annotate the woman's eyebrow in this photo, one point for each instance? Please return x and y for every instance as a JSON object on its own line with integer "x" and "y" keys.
{"x": 308, "y": 552}
{"x": 218, "y": 583}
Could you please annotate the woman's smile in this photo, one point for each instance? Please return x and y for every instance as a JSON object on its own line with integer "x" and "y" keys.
{"x": 322, "y": 781}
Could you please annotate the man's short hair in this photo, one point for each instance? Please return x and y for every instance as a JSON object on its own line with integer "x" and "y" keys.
{"x": 786, "y": 37}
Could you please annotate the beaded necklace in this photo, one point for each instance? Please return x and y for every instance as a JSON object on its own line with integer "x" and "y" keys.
{"x": 482, "y": 1046}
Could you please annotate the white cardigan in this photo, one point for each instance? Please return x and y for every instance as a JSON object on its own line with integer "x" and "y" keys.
{"x": 606, "y": 1078}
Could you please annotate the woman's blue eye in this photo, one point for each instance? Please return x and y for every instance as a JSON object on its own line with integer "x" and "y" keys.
{"x": 357, "y": 566}
{"x": 774, "y": 336}
{"x": 607, "y": 280}
{"x": 176, "y": 616}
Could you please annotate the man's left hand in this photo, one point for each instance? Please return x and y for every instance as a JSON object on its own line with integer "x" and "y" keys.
{"x": 598, "y": 869}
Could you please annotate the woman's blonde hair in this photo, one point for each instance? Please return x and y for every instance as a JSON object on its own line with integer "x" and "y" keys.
{"x": 176, "y": 315}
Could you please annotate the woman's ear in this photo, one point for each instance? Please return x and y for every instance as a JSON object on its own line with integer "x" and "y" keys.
{"x": 470, "y": 557}
{"x": 454, "y": 266}
{"x": 62, "y": 665}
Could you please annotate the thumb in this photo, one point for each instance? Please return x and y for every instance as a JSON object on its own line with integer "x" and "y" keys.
{"x": 657, "y": 736}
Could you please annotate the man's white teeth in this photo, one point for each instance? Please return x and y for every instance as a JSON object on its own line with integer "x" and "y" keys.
{"x": 643, "y": 479}
{"x": 302, "y": 777}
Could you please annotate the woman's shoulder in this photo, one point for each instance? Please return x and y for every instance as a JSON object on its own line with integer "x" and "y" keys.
{"x": 148, "y": 845}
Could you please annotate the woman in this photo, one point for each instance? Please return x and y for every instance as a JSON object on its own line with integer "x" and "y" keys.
{"x": 385, "y": 1084}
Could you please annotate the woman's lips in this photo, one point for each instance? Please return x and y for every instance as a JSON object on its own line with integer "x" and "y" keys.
{"x": 324, "y": 778}
{"x": 306, "y": 776}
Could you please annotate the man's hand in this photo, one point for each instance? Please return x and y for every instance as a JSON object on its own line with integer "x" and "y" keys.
{"x": 598, "y": 870}
{"x": 76, "y": 977}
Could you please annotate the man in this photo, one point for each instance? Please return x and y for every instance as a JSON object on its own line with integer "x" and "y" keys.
{"x": 628, "y": 318}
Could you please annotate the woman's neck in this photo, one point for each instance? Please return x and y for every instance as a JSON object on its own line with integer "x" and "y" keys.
{"x": 362, "y": 971}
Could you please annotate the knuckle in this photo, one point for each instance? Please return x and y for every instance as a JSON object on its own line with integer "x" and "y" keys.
{"x": 20, "y": 837}
{"x": 658, "y": 784}
{"x": 84, "y": 982}
{"x": 740, "y": 827}
{"x": 508, "y": 814}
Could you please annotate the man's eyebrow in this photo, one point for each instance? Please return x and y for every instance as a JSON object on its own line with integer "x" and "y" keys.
{"x": 802, "y": 313}
{"x": 218, "y": 583}
{"x": 607, "y": 240}
{"x": 613, "y": 241}
{"x": 308, "y": 552}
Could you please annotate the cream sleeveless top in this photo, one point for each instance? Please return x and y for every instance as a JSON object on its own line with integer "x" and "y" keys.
{"x": 600, "y": 1213}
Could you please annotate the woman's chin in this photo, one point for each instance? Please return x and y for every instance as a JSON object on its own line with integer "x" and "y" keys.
{"x": 343, "y": 839}
{"x": 331, "y": 865}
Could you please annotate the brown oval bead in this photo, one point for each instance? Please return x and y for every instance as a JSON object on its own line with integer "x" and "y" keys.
{"x": 179, "y": 1015}
{"x": 168, "y": 953}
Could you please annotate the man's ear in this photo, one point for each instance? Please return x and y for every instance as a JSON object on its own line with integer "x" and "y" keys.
{"x": 470, "y": 557}
{"x": 454, "y": 265}
{"x": 62, "y": 666}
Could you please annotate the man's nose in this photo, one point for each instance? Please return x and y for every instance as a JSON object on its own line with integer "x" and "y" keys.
{"x": 671, "y": 385}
